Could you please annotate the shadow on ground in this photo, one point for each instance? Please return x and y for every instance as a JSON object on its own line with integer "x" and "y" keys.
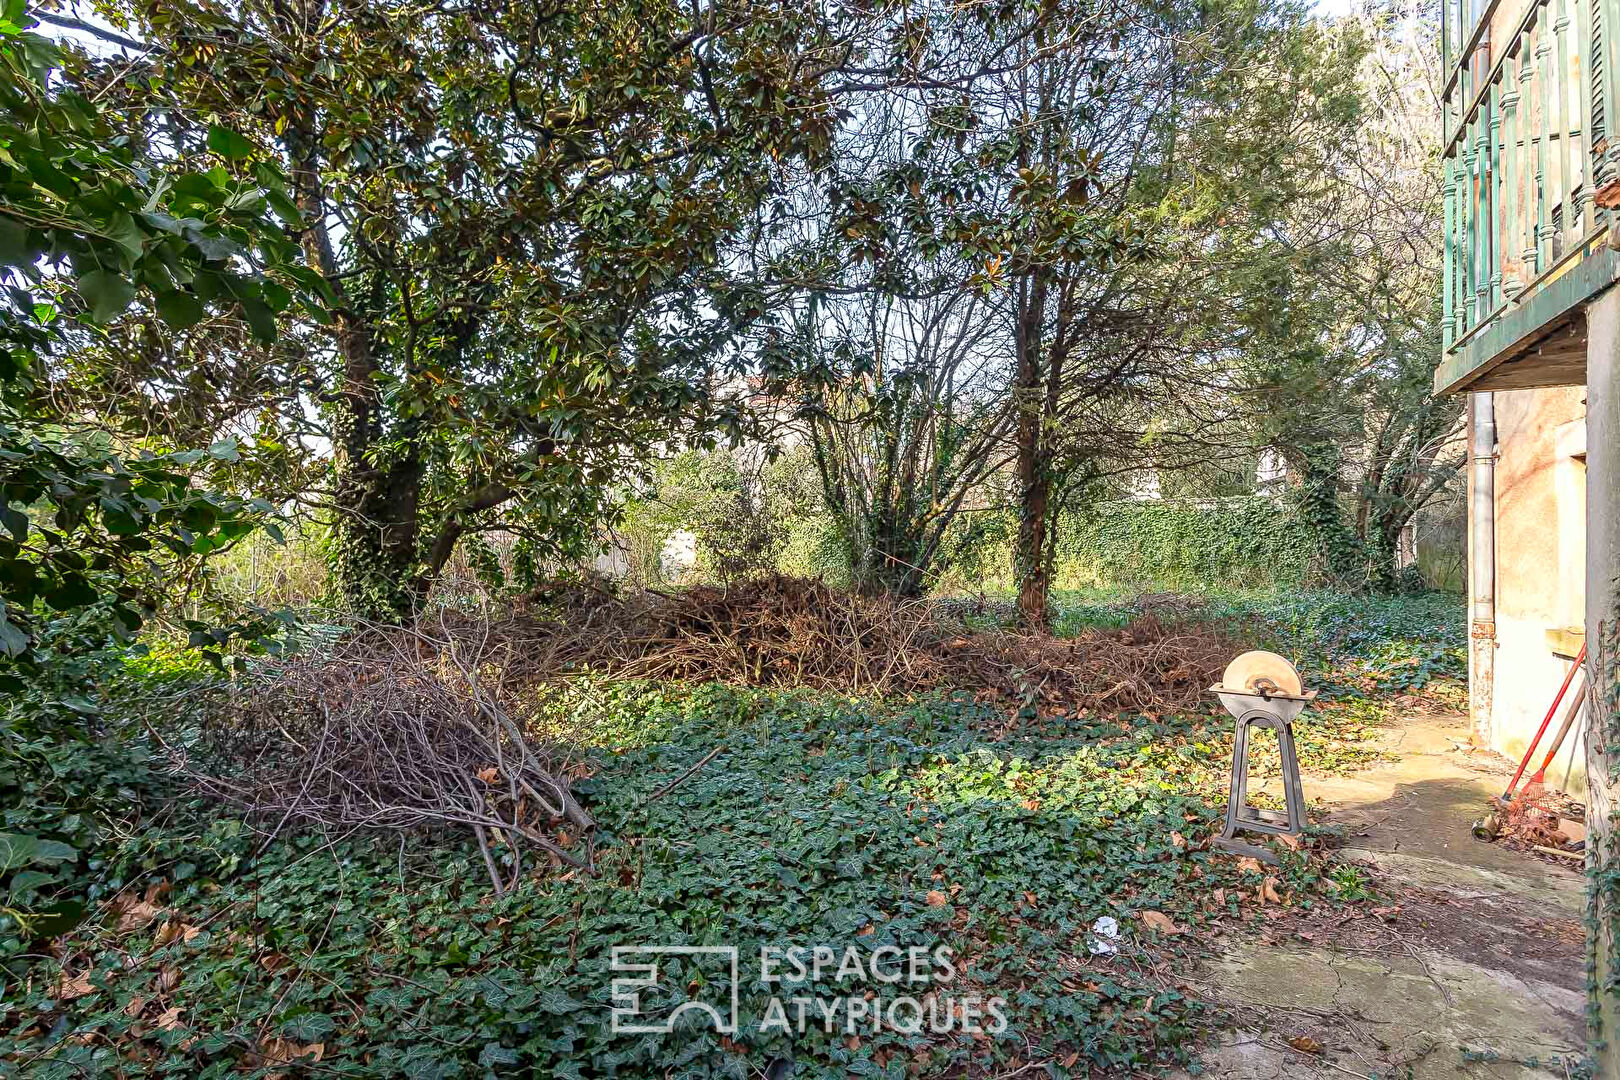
{"x": 1467, "y": 963}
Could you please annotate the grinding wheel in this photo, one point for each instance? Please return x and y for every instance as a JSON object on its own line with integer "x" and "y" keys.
{"x": 1260, "y": 670}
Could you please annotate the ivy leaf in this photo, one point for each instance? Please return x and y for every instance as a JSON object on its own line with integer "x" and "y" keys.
{"x": 14, "y": 246}
{"x": 308, "y": 1027}
{"x": 19, "y": 850}
{"x": 228, "y": 144}
{"x": 13, "y": 642}
{"x": 180, "y": 310}
{"x": 107, "y": 294}
{"x": 494, "y": 1054}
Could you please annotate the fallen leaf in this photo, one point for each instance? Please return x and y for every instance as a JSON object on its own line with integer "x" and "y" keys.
{"x": 1249, "y": 863}
{"x": 1158, "y": 920}
{"x": 937, "y": 898}
{"x": 136, "y": 1004}
{"x": 1290, "y": 841}
{"x": 853, "y": 1042}
{"x": 1306, "y": 1045}
{"x": 1032, "y": 805}
{"x": 138, "y": 915}
{"x": 1268, "y": 892}
{"x": 170, "y": 1019}
{"x": 1032, "y": 900}
{"x": 174, "y": 930}
{"x": 168, "y": 979}
{"x": 287, "y": 1052}
{"x": 72, "y": 989}
{"x": 866, "y": 931}
{"x": 489, "y": 775}
{"x": 1177, "y": 840}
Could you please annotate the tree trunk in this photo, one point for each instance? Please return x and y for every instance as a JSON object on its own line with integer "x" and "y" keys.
{"x": 375, "y": 552}
{"x": 1031, "y": 559}
{"x": 1319, "y": 509}
{"x": 376, "y": 536}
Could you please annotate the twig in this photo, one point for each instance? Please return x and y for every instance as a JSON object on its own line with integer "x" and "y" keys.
{"x": 1318, "y": 1058}
{"x": 673, "y": 784}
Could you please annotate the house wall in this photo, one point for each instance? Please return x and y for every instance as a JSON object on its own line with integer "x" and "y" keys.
{"x": 1540, "y": 564}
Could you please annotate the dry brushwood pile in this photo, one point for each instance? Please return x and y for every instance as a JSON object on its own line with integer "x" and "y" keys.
{"x": 783, "y": 631}
{"x": 392, "y": 729}
{"x": 404, "y": 728}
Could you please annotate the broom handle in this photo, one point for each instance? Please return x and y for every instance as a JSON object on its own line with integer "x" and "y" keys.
{"x": 1552, "y": 711}
{"x": 1570, "y": 713}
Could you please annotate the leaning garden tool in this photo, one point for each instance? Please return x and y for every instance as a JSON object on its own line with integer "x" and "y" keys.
{"x": 1580, "y": 659}
{"x": 1261, "y": 689}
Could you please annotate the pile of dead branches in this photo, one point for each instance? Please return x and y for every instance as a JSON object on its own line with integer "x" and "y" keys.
{"x": 392, "y": 729}
{"x": 784, "y": 631}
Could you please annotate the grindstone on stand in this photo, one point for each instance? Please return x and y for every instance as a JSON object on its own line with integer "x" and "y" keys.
{"x": 1262, "y": 689}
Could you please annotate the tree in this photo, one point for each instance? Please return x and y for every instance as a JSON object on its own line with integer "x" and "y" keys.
{"x": 1348, "y": 399}
{"x": 523, "y": 212}
{"x": 1111, "y": 188}
{"x": 89, "y": 227}
{"x": 904, "y": 402}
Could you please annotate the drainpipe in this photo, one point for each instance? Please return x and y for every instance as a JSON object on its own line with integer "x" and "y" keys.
{"x": 1481, "y": 562}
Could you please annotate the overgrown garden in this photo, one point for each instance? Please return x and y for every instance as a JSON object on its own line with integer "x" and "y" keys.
{"x": 482, "y": 485}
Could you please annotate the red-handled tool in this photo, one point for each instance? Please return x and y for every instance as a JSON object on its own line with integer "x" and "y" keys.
{"x": 1580, "y": 658}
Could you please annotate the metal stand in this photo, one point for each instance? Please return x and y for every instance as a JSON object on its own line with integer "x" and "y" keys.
{"x": 1240, "y": 815}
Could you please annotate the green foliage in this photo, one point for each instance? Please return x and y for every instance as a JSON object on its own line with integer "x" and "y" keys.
{"x": 1235, "y": 543}
{"x": 822, "y": 821}
{"x": 528, "y": 217}
{"x": 1158, "y": 545}
{"x": 89, "y": 531}
{"x": 87, "y": 228}
{"x": 743, "y": 520}
{"x": 75, "y": 767}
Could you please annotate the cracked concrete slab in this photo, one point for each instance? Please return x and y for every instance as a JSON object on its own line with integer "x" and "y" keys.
{"x": 1383, "y": 1015}
{"x": 1472, "y": 966}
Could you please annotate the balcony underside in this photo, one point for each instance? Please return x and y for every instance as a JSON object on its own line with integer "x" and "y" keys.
{"x": 1536, "y": 340}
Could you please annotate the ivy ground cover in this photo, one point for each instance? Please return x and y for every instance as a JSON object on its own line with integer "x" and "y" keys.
{"x": 935, "y": 826}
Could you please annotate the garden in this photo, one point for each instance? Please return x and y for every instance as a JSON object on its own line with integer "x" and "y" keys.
{"x": 640, "y": 539}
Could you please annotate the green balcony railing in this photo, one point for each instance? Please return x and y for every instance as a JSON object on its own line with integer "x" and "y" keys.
{"x": 1528, "y": 166}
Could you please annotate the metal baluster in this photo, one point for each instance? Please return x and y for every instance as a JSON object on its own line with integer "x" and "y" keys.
{"x": 1609, "y": 166}
{"x": 1481, "y": 131}
{"x": 1448, "y": 288}
{"x": 1562, "y": 178}
{"x": 1532, "y": 146}
{"x": 1511, "y": 230}
{"x": 1545, "y": 159}
{"x": 1493, "y": 198}
{"x": 1476, "y": 182}
{"x": 1582, "y": 144}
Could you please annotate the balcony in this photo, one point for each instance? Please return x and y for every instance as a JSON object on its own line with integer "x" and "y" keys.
{"x": 1531, "y": 183}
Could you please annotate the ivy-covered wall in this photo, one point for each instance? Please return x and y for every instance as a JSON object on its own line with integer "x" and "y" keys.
{"x": 1169, "y": 544}
{"x": 1248, "y": 541}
